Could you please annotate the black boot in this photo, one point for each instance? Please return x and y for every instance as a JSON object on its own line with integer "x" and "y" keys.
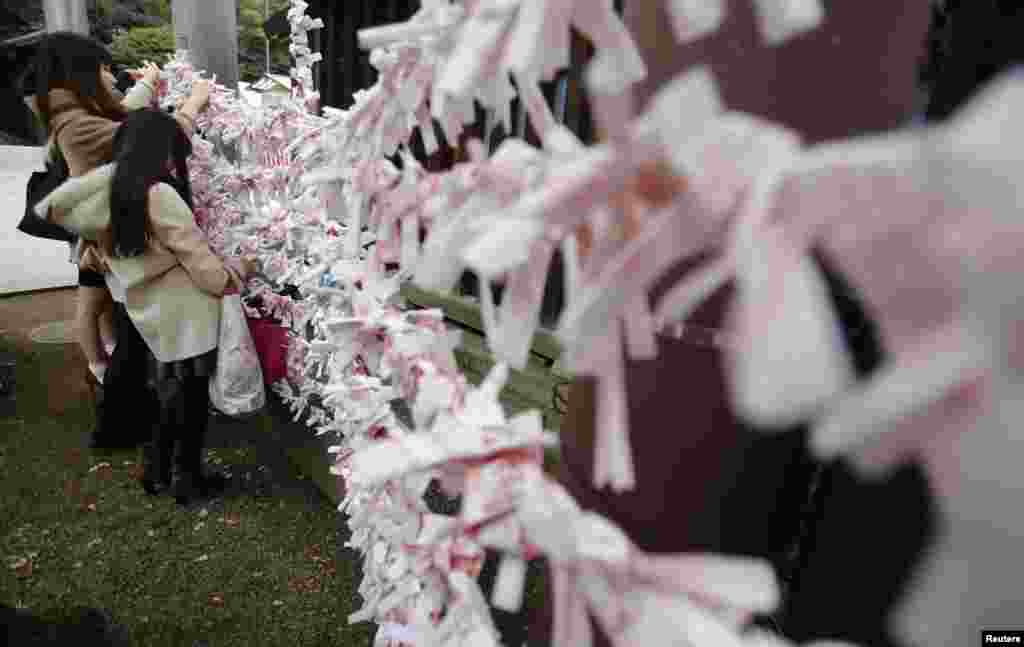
{"x": 156, "y": 467}
{"x": 98, "y": 440}
{"x": 158, "y": 455}
{"x": 120, "y": 405}
{"x": 192, "y": 482}
{"x": 101, "y": 440}
{"x": 194, "y": 486}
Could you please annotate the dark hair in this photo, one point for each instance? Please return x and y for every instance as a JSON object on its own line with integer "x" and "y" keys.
{"x": 124, "y": 80}
{"x": 73, "y": 62}
{"x": 970, "y": 43}
{"x": 144, "y": 144}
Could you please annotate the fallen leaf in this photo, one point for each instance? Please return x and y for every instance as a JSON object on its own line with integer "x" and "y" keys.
{"x": 136, "y": 472}
{"x": 151, "y": 533}
{"x": 89, "y": 502}
{"x": 327, "y": 567}
{"x": 78, "y": 564}
{"x": 277, "y": 603}
{"x": 127, "y": 463}
{"x": 94, "y": 542}
{"x": 304, "y": 584}
{"x": 199, "y": 526}
{"x": 202, "y": 558}
{"x": 105, "y": 472}
{"x": 204, "y": 512}
{"x": 72, "y": 456}
{"x": 216, "y": 600}
{"x": 258, "y": 574}
{"x": 232, "y": 519}
{"x": 22, "y": 568}
{"x": 99, "y": 466}
{"x": 72, "y": 488}
{"x": 312, "y": 552}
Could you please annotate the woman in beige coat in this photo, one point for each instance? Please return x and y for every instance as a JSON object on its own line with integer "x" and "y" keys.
{"x": 137, "y": 211}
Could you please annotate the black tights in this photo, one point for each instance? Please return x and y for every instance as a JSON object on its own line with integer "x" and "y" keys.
{"x": 184, "y": 419}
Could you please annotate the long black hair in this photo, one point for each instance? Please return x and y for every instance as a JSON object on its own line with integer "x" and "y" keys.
{"x": 73, "y": 62}
{"x": 144, "y": 145}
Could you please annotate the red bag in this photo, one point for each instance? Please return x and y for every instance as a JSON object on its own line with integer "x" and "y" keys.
{"x": 271, "y": 341}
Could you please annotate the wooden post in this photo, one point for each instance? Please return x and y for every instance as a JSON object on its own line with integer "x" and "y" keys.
{"x": 208, "y": 29}
{"x": 66, "y": 15}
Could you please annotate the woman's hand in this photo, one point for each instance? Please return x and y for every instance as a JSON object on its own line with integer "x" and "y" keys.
{"x": 239, "y": 269}
{"x": 200, "y": 93}
{"x": 249, "y": 265}
{"x": 149, "y": 72}
{"x": 236, "y": 283}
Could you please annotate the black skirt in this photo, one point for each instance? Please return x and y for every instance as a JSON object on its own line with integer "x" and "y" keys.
{"x": 91, "y": 279}
{"x": 198, "y": 366}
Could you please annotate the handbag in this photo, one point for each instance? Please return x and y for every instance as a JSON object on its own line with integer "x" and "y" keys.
{"x": 236, "y": 388}
{"x": 40, "y": 185}
{"x": 271, "y": 340}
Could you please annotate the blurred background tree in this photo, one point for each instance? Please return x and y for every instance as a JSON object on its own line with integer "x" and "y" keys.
{"x": 137, "y": 45}
{"x": 252, "y": 42}
{"x": 108, "y": 18}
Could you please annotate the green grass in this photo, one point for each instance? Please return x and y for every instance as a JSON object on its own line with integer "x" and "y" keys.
{"x": 251, "y": 571}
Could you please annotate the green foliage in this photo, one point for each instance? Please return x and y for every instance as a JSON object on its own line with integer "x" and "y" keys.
{"x": 140, "y": 44}
{"x": 104, "y": 8}
{"x": 158, "y": 8}
{"x": 153, "y": 43}
{"x": 252, "y": 41}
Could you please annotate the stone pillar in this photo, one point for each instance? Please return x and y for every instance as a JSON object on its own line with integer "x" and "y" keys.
{"x": 209, "y": 30}
{"x": 66, "y": 15}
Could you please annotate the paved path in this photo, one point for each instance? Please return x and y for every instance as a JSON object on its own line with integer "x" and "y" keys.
{"x": 26, "y": 263}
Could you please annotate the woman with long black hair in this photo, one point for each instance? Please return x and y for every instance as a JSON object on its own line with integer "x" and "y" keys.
{"x": 79, "y": 111}
{"x": 138, "y": 211}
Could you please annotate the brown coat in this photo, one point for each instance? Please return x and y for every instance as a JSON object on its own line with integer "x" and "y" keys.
{"x": 86, "y": 140}
{"x": 704, "y": 480}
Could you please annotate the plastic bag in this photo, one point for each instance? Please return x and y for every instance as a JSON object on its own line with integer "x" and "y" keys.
{"x": 236, "y": 388}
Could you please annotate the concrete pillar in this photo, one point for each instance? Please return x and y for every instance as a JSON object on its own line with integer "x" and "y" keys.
{"x": 209, "y": 30}
{"x": 66, "y": 15}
